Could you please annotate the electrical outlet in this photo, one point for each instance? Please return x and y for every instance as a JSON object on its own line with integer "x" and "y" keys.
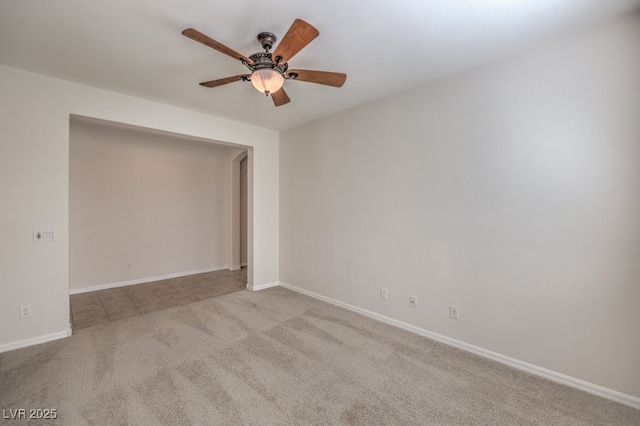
{"x": 413, "y": 301}
{"x": 128, "y": 265}
{"x": 25, "y": 311}
{"x": 453, "y": 312}
{"x": 383, "y": 293}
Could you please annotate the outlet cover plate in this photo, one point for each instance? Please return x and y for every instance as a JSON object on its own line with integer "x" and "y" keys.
{"x": 25, "y": 311}
{"x": 453, "y": 312}
{"x": 384, "y": 294}
{"x": 413, "y": 301}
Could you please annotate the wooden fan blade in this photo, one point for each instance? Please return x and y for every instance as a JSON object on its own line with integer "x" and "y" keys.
{"x": 335, "y": 79}
{"x": 221, "y": 81}
{"x": 299, "y": 35}
{"x": 208, "y": 41}
{"x": 280, "y": 97}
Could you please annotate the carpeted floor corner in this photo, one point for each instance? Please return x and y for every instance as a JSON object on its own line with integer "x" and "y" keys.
{"x": 276, "y": 357}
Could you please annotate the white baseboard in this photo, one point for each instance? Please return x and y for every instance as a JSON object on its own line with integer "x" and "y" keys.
{"x": 262, "y": 286}
{"x": 591, "y": 388}
{"x": 35, "y": 340}
{"x": 145, "y": 280}
{"x": 234, "y": 267}
{"x": 243, "y": 264}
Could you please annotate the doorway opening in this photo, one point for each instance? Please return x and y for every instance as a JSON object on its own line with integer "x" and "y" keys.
{"x": 243, "y": 210}
{"x": 149, "y": 221}
{"x": 240, "y": 255}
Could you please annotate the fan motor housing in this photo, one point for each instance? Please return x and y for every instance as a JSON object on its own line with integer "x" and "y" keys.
{"x": 263, "y": 60}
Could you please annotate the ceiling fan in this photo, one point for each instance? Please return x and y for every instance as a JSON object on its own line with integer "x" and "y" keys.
{"x": 270, "y": 70}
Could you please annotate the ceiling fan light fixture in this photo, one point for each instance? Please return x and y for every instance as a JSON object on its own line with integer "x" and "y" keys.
{"x": 267, "y": 80}
{"x": 268, "y": 70}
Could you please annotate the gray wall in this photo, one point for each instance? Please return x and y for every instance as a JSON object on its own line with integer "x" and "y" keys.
{"x": 34, "y": 189}
{"x": 511, "y": 190}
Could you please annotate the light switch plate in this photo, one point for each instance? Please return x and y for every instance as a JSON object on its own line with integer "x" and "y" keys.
{"x": 43, "y": 236}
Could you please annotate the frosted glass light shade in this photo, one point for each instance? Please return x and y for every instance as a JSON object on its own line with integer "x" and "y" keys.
{"x": 267, "y": 80}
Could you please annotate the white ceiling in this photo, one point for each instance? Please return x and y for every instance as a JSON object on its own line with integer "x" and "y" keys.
{"x": 135, "y": 47}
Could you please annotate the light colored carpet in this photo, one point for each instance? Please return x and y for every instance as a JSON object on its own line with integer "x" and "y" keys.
{"x": 276, "y": 357}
